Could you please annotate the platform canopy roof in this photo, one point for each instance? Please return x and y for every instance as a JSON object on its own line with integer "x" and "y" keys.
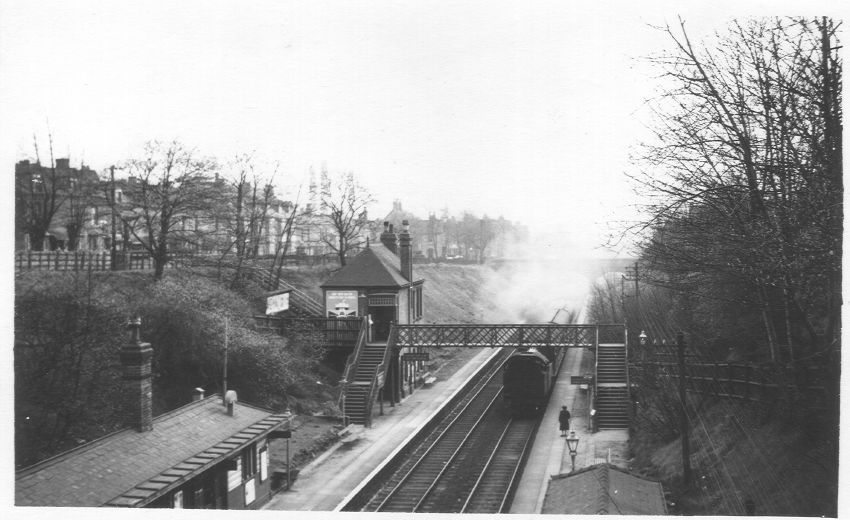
{"x": 375, "y": 266}
{"x": 131, "y": 468}
{"x": 603, "y": 489}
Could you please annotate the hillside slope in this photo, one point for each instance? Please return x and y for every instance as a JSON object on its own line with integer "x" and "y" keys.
{"x": 785, "y": 461}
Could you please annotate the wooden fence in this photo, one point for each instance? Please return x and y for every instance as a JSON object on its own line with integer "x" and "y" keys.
{"x": 748, "y": 382}
{"x": 79, "y": 260}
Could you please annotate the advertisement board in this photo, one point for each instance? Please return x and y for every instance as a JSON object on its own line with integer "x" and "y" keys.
{"x": 341, "y": 304}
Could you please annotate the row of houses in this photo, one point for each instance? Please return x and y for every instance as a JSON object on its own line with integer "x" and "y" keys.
{"x": 89, "y": 212}
{"x": 85, "y": 218}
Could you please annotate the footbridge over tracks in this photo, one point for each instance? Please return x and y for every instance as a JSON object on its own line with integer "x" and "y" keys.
{"x": 379, "y": 372}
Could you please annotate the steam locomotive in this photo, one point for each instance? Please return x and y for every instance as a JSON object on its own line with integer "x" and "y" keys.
{"x": 527, "y": 377}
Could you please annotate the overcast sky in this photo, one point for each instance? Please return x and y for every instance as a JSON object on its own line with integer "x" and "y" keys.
{"x": 526, "y": 109}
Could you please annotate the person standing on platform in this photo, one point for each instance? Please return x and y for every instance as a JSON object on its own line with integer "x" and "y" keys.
{"x": 564, "y": 420}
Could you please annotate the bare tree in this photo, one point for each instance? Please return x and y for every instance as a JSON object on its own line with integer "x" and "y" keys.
{"x": 344, "y": 204}
{"x": 39, "y": 193}
{"x": 168, "y": 190}
{"x": 743, "y": 174}
{"x": 245, "y": 216}
{"x": 283, "y": 237}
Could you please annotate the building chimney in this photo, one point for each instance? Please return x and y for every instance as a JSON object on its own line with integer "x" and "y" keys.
{"x": 198, "y": 394}
{"x": 405, "y": 251}
{"x": 230, "y": 401}
{"x": 63, "y": 164}
{"x": 388, "y": 238}
{"x": 135, "y": 359}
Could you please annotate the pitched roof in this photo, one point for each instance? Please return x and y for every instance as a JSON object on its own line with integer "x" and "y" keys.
{"x": 130, "y": 468}
{"x": 603, "y": 489}
{"x": 375, "y": 266}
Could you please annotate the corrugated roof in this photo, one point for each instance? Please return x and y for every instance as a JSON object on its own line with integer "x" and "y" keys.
{"x": 130, "y": 468}
{"x": 603, "y": 490}
{"x": 375, "y": 266}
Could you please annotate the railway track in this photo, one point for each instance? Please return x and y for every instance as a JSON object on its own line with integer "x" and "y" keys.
{"x": 468, "y": 463}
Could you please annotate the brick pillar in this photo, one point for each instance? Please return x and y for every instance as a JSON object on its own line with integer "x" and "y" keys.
{"x": 405, "y": 251}
{"x": 136, "y": 370}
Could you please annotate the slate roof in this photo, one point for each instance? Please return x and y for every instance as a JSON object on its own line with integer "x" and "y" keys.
{"x": 130, "y": 468}
{"x": 603, "y": 489}
{"x": 375, "y": 266}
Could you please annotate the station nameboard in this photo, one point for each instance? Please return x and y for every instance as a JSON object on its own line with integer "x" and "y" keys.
{"x": 415, "y": 356}
{"x": 277, "y": 303}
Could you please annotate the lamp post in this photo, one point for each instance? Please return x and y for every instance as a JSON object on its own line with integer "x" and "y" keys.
{"x": 572, "y": 444}
{"x": 642, "y": 338}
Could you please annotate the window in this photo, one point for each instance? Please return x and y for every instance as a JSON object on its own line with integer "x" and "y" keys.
{"x": 249, "y": 462}
{"x": 264, "y": 464}
{"x": 177, "y": 501}
{"x": 234, "y": 478}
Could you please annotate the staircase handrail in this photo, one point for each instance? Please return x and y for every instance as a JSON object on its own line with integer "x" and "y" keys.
{"x": 373, "y": 390}
{"x": 264, "y": 278}
{"x": 353, "y": 360}
{"x": 383, "y": 366}
{"x": 298, "y": 297}
{"x": 594, "y": 395}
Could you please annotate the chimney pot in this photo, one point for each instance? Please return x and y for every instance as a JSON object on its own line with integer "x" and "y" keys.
{"x": 389, "y": 239}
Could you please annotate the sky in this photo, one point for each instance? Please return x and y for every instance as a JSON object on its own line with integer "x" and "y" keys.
{"x": 526, "y": 110}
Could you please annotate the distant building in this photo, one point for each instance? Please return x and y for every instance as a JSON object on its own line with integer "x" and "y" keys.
{"x": 73, "y": 196}
{"x": 603, "y": 489}
{"x": 202, "y": 455}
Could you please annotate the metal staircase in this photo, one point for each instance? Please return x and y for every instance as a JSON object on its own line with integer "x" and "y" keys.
{"x": 359, "y": 392}
{"x": 612, "y": 392}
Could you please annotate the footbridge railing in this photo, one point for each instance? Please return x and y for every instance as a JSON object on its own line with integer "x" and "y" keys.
{"x": 516, "y": 336}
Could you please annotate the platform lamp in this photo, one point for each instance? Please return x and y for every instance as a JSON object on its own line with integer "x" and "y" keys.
{"x": 572, "y": 444}
{"x": 642, "y": 338}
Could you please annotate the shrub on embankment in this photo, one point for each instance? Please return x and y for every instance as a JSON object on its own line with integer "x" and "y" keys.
{"x": 70, "y": 326}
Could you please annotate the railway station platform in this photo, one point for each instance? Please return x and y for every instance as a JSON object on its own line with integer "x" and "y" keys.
{"x": 327, "y": 481}
{"x": 549, "y": 455}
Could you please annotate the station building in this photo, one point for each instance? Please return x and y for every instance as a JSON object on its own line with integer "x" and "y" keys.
{"x": 379, "y": 283}
{"x": 206, "y": 454}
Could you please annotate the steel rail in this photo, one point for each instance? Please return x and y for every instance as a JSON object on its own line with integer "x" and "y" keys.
{"x": 474, "y": 400}
{"x": 503, "y": 454}
{"x": 457, "y": 450}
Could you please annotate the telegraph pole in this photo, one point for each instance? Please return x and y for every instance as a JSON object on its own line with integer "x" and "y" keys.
{"x": 683, "y": 417}
{"x": 112, "y": 190}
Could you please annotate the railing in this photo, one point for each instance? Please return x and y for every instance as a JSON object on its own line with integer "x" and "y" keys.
{"x": 383, "y": 367}
{"x": 516, "y": 336}
{"x": 374, "y": 385}
{"x": 336, "y": 332}
{"x": 592, "y": 388}
{"x": 297, "y": 297}
{"x": 351, "y": 364}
